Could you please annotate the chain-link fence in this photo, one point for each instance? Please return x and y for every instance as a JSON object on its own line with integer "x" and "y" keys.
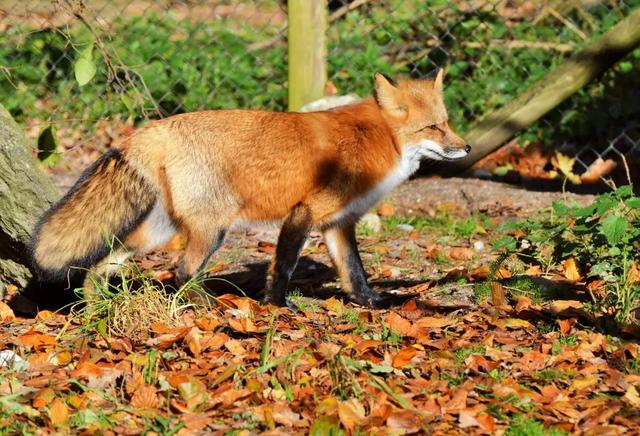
{"x": 156, "y": 58}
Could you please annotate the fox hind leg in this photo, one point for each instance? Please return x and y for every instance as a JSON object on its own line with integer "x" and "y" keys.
{"x": 343, "y": 249}
{"x": 202, "y": 242}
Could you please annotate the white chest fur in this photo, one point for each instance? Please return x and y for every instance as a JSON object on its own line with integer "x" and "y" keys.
{"x": 407, "y": 165}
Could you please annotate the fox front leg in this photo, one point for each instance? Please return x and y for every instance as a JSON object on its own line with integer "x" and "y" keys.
{"x": 293, "y": 234}
{"x": 343, "y": 249}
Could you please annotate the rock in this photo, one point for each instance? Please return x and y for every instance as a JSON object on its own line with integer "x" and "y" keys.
{"x": 330, "y": 102}
{"x": 405, "y": 227}
{"x": 372, "y": 222}
{"x": 478, "y": 246}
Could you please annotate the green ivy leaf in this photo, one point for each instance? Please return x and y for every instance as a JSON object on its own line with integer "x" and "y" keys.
{"x": 48, "y": 145}
{"x": 614, "y": 228}
{"x": 84, "y": 67}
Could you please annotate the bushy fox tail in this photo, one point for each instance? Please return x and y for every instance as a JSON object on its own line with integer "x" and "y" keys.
{"x": 110, "y": 199}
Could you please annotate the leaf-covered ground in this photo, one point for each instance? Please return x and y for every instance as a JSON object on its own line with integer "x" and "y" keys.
{"x": 454, "y": 354}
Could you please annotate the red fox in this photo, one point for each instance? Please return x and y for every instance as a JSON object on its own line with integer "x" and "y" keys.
{"x": 198, "y": 173}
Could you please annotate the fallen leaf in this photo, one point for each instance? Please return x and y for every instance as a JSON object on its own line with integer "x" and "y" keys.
{"x": 522, "y": 303}
{"x": 207, "y": 324}
{"x": 334, "y": 305}
{"x": 282, "y": 414}
{"x": 266, "y": 247}
{"x": 404, "y": 356}
{"x": 460, "y": 253}
{"x": 534, "y": 270}
{"x": 565, "y": 165}
{"x": 398, "y": 324}
{"x": 6, "y": 313}
{"x": 498, "y": 294}
{"x": 405, "y": 420}
{"x": 386, "y": 209}
{"x": 598, "y": 169}
{"x": 37, "y": 340}
{"x": 633, "y": 276}
{"x": 43, "y": 397}
{"x": 351, "y": 413}
{"x": 583, "y": 383}
{"x": 58, "y": 412}
{"x": 565, "y": 325}
{"x": 163, "y": 276}
{"x": 571, "y": 270}
{"x": 632, "y": 396}
{"x": 242, "y": 325}
{"x": 193, "y": 341}
{"x": 559, "y": 306}
{"x": 145, "y": 397}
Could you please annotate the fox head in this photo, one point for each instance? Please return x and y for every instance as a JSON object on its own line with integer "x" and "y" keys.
{"x": 417, "y": 115}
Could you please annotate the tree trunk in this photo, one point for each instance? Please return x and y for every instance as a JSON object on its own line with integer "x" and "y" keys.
{"x": 307, "y": 51}
{"x": 25, "y": 193}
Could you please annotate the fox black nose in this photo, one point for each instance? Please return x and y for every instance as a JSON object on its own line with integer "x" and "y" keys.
{"x": 467, "y": 148}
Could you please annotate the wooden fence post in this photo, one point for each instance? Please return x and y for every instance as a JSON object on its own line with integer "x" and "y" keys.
{"x": 307, "y": 51}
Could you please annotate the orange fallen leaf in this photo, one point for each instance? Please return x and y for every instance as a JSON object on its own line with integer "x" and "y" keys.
{"x": 598, "y": 169}
{"x": 207, "y": 324}
{"x": 404, "y": 356}
{"x": 6, "y": 313}
{"x": 405, "y": 420}
{"x": 266, "y": 247}
{"x": 480, "y": 273}
{"x": 145, "y": 397}
{"x": 534, "y": 270}
{"x": 432, "y": 251}
{"x": 633, "y": 276}
{"x": 43, "y": 398}
{"x": 498, "y": 294}
{"x": 334, "y": 305}
{"x": 162, "y": 276}
{"x": 193, "y": 341}
{"x": 386, "y": 209}
{"x": 571, "y": 270}
{"x": 433, "y": 322}
{"x": 565, "y": 325}
{"x": 351, "y": 413}
{"x": 522, "y": 303}
{"x": 37, "y": 340}
{"x": 583, "y": 383}
{"x": 242, "y": 325}
{"x": 58, "y": 412}
{"x": 86, "y": 370}
{"x": 559, "y": 306}
{"x": 632, "y": 396}
{"x": 398, "y": 324}
{"x": 218, "y": 268}
{"x": 460, "y": 253}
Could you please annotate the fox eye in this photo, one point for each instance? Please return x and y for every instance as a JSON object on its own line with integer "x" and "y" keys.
{"x": 432, "y": 127}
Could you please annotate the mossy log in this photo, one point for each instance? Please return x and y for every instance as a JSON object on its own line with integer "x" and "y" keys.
{"x": 25, "y": 193}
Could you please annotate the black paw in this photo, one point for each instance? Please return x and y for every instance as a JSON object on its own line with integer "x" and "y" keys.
{"x": 368, "y": 298}
{"x": 269, "y": 299}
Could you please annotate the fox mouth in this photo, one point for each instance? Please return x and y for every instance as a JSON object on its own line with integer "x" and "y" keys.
{"x": 451, "y": 154}
{"x": 432, "y": 150}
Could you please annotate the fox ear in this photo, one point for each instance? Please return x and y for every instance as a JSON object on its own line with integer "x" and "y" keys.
{"x": 388, "y": 96}
{"x": 437, "y": 82}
